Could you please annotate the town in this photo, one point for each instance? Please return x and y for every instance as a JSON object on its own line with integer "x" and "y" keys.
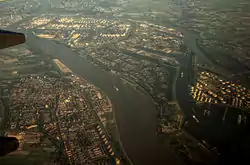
{"x": 116, "y": 46}
{"x": 211, "y": 88}
{"x": 50, "y": 103}
{"x": 55, "y": 108}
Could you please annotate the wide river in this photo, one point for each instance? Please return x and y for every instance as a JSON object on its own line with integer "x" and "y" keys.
{"x": 136, "y": 114}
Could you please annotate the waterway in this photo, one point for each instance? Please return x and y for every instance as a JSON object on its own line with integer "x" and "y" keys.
{"x": 220, "y": 128}
{"x": 136, "y": 113}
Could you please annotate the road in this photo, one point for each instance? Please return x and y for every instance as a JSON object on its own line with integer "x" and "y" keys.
{"x": 136, "y": 114}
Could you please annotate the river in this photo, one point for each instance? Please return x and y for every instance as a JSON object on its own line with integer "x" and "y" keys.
{"x": 136, "y": 113}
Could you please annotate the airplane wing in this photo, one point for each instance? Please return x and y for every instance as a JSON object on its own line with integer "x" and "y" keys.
{"x": 9, "y": 38}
